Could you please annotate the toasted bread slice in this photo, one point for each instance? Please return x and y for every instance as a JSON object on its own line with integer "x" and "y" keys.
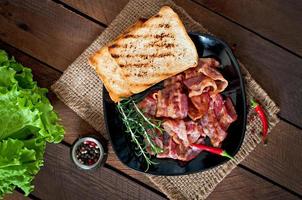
{"x": 157, "y": 49}
{"x": 138, "y": 24}
{"x": 145, "y": 54}
{"x": 110, "y": 73}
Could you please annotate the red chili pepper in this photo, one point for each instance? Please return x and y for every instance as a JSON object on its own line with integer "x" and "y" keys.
{"x": 263, "y": 119}
{"x": 213, "y": 150}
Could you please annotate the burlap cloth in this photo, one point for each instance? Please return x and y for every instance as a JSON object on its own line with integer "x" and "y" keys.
{"x": 80, "y": 89}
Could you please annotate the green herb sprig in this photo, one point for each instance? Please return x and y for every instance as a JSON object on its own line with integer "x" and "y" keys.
{"x": 141, "y": 129}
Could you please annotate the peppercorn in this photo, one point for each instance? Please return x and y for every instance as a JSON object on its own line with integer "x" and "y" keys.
{"x": 88, "y": 153}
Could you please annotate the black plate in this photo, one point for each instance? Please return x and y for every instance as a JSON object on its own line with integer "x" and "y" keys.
{"x": 207, "y": 46}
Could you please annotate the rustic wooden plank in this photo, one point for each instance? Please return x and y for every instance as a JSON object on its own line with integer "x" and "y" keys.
{"x": 46, "y": 30}
{"x": 73, "y": 124}
{"x": 265, "y": 60}
{"x": 246, "y": 48}
{"x": 240, "y": 184}
{"x": 16, "y": 196}
{"x": 102, "y": 10}
{"x": 60, "y": 179}
{"x": 281, "y": 24}
{"x": 279, "y": 21}
{"x": 280, "y": 160}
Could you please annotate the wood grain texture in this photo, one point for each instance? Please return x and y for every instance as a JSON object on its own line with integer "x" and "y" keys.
{"x": 16, "y": 196}
{"x": 102, "y": 10}
{"x": 264, "y": 60}
{"x": 60, "y": 179}
{"x": 281, "y": 159}
{"x": 46, "y": 30}
{"x": 260, "y": 161}
{"x": 242, "y": 185}
{"x": 273, "y": 62}
{"x": 275, "y": 69}
{"x": 73, "y": 124}
{"x": 278, "y": 20}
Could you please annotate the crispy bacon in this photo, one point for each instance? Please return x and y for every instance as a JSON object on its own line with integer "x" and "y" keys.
{"x": 177, "y": 128}
{"x": 184, "y": 153}
{"x": 201, "y": 102}
{"x": 194, "y": 131}
{"x": 211, "y": 122}
{"x": 148, "y": 104}
{"x": 169, "y": 149}
{"x": 193, "y": 93}
{"x": 200, "y": 84}
{"x": 190, "y": 132}
{"x": 194, "y": 71}
{"x": 224, "y": 111}
{"x": 172, "y": 102}
{"x": 199, "y": 107}
{"x": 193, "y": 113}
{"x": 183, "y": 134}
{"x": 179, "y": 152}
{"x": 230, "y": 109}
{"x": 189, "y": 154}
{"x": 216, "y": 76}
{"x": 210, "y": 62}
{"x": 204, "y": 78}
{"x": 176, "y": 139}
{"x": 174, "y": 79}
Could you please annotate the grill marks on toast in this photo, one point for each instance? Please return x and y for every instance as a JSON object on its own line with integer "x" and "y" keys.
{"x": 145, "y": 54}
{"x": 136, "y": 65}
{"x": 143, "y": 73}
{"x": 157, "y": 43}
{"x": 148, "y": 36}
{"x": 160, "y": 41}
{"x": 163, "y": 26}
{"x": 140, "y": 53}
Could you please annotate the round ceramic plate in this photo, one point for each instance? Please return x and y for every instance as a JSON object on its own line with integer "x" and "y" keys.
{"x": 207, "y": 46}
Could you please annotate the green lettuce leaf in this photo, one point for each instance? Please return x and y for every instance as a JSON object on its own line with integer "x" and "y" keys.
{"x": 27, "y": 122}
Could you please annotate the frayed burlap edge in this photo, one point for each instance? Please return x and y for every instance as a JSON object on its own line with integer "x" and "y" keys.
{"x": 81, "y": 90}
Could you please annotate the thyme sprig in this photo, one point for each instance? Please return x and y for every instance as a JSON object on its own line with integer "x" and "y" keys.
{"x": 155, "y": 126}
{"x": 141, "y": 129}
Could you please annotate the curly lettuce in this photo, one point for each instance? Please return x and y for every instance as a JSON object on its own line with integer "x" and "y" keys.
{"x": 27, "y": 122}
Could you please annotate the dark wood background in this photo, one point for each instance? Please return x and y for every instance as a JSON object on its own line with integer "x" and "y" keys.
{"x": 47, "y": 35}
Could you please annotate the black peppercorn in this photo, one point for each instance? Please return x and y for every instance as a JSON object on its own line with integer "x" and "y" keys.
{"x": 88, "y": 153}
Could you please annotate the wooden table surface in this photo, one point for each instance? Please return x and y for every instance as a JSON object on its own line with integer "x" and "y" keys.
{"x": 47, "y": 35}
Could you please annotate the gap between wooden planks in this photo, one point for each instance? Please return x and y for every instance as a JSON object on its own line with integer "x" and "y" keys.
{"x": 75, "y": 125}
{"x": 36, "y": 34}
{"x": 275, "y": 21}
{"x": 67, "y": 34}
{"x": 278, "y": 21}
{"x": 59, "y": 178}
